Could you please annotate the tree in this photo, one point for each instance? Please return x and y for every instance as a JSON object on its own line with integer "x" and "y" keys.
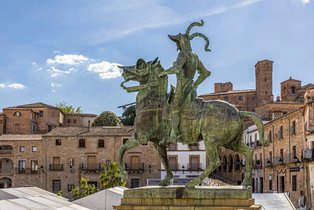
{"x": 107, "y": 118}
{"x": 68, "y": 108}
{"x": 110, "y": 177}
{"x": 128, "y": 116}
{"x": 83, "y": 190}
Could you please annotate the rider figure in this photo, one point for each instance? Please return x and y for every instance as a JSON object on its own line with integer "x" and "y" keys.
{"x": 185, "y": 68}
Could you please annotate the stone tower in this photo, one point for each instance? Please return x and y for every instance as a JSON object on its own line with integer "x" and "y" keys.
{"x": 289, "y": 89}
{"x": 264, "y": 81}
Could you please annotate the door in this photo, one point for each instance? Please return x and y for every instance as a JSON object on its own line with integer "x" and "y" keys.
{"x": 135, "y": 162}
{"x": 22, "y": 166}
{"x": 56, "y": 163}
{"x": 135, "y": 183}
{"x": 91, "y": 162}
{"x": 194, "y": 163}
{"x": 34, "y": 166}
{"x": 173, "y": 163}
{"x": 261, "y": 180}
{"x": 282, "y": 184}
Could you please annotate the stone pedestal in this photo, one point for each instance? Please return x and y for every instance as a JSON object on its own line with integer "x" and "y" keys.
{"x": 181, "y": 198}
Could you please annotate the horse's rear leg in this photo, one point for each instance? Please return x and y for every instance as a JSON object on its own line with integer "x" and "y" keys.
{"x": 211, "y": 148}
{"x": 132, "y": 142}
{"x": 238, "y": 146}
{"x": 162, "y": 152}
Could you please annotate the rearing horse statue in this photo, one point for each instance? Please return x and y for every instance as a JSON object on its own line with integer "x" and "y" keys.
{"x": 216, "y": 122}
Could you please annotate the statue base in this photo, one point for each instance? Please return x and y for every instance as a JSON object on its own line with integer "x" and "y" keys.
{"x": 182, "y": 198}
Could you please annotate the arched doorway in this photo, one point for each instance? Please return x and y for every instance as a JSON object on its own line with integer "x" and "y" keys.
{"x": 230, "y": 163}
{"x": 5, "y": 182}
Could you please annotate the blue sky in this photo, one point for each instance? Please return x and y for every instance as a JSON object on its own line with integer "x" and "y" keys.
{"x": 54, "y": 51}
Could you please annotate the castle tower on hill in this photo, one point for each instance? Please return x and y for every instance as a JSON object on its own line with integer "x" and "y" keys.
{"x": 264, "y": 81}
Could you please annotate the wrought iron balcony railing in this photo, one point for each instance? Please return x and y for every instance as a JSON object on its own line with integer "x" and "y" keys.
{"x": 56, "y": 167}
{"x": 135, "y": 168}
{"x": 26, "y": 171}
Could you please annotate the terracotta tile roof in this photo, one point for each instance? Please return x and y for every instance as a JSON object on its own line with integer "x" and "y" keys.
{"x": 81, "y": 114}
{"x": 228, "y": 92}
{"x": 33, "y": 105}
{"x": 92, "y": 131}
{"x": 14, "y": 137}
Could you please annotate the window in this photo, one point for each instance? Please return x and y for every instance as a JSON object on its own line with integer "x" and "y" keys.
{"x": 56, "y": 186}
{"x": 293, "y": 89}
{"x": 280, "y": 133}
{"x": 240, "y": 98}
{"x": 41, "y": 113}
{"x": 22, "y": 166}
{"x": 70, "y": 187}
{"x": 17, "y": 126}
{"x": 34, "y": 149}
{"x": 281, "y": 155}
{"x": 125, "y": 140}
{"x": 58, "y": 141}
{"x": 294, "y": 182}
{"x": 68, "y": 120}
{"x": 34, "y": 166}
{"x": 22, "y": 148}
{"x": 82, "y": 143}
{"x": 270, "y": 136}
{"x": 74, "y": 120}
{"x": 293, "y": 128}
{"x": 17, "y": 114}
{"x": 101, "y": 143}
{"x": 271, "y": 157}
{"x": 294, "y": 152}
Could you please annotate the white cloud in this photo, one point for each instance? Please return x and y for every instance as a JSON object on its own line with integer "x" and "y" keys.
{"x": 105, "y": 69}
{"x": 54, "y": 72}
{"x": 67, "y": 59}
{"x": 52, "y": 84}
{"x": 12, "y": 85}
{"x": 305, "y": 1}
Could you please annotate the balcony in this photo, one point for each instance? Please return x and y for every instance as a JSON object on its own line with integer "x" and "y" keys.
{"x": 94, "y": 168}
{"x": 6, "y": 151}
{"x": 135, "y": 168}
{"x": 56, "y": 167}
{"x": 26, "y": 171}
{"x": 268, "y": 163}
{"x": 308, "y": 154}
{"x": 195, "y": 167}
{"x": 257, "y": 164}
{"x": 286, "y": 159}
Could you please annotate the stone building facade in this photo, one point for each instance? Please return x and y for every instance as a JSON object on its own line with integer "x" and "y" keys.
{"x": 21, "y": 160}
{"x": 87, "y": 149}
{"x": 39, "y": 118}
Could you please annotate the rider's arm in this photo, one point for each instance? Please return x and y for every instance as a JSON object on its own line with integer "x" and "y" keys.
{"x": 177, "y": 65}
{"x": 203, "y": 74}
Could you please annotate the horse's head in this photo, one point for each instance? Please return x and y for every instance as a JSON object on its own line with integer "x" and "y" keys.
{"x": 146, "y": 73}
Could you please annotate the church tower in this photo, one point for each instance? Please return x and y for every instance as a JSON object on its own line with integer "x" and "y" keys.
{"x": 264, "y": 81}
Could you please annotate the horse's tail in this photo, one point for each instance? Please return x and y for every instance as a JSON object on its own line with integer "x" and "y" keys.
{"x": 258, "y": 122}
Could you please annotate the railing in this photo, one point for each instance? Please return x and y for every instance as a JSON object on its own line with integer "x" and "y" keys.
{"x": 26, "y": 171}
{"x": 308, "y": 154}
{"x": 91, "y": 168}
{"x": 195, "y": 167}
{"x": 268, "y": 163}
{"x": 286, "y": 159}
{"x": 135, "y": 168}
{"x": 257, "y": 164}
{"x": 6, "y": 152}
{"x": 56, "y": 167}
{"x": 6, "y": 172}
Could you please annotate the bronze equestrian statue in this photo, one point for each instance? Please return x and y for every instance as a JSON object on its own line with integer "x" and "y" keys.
{"x": 216, "y": 122}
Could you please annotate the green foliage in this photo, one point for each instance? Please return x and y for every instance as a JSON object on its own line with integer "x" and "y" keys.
{"x": 59, "y": 193}
{"x": 110, "y": 177}
{"x": 68, "y": 108}
{"x": 83, "y": 190}
{"x": 128, "y": 116}
{"x": 107, "y": 118}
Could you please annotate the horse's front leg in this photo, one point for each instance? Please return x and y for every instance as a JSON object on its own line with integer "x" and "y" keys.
{"x": 162, "y": 152}
{"x": 131, "y": 143}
